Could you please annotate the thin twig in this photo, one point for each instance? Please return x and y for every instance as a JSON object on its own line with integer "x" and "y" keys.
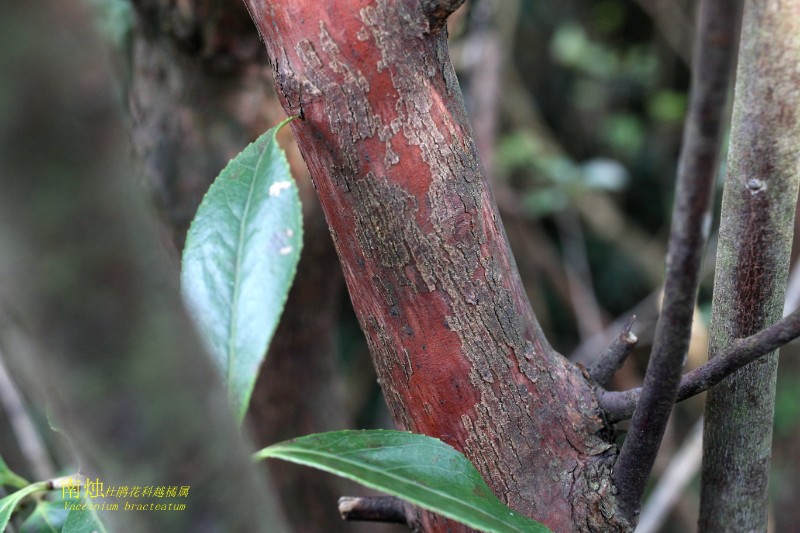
{"x": 30, "y": 442}
{"x": 674, "y": 26}
{"x": 792, "y": 299}
{"x": 714, "y": 56}
{"x": 646, "y": 312}
{"x": 614, "y": 356}
{"x": 374, "y": 509}
{"x": 620, "y": 405}
{"x": 579, "y": 276}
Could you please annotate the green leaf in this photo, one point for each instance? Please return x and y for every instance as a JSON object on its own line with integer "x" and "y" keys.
{"x": 47, "y": 517}
{"x": 421, "y": 469}
{"x": 83, "y": 522}
{"x": 10, "y": 502}
{"x": 9, "y": 478}
{"x": 240, "y": 258}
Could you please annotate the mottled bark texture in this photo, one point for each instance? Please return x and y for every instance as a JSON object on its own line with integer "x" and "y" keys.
{"x": 459, "y": 354}
{"x": 118, "y": 364}
{"x": 200, "y": 91}
{"x": 752, "y": 263}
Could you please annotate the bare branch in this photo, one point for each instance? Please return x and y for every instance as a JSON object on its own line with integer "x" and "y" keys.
{"x": 374, "y": 509}
{"x": 674, "y": 26}
{"x": 739, "y": 354}
{"x": 588, "y": 314}
{"x": 620, "y": 405}
{"x": 646, "y": 312}
{"x": 439, "y": 10}
{"x": 691, "y": 217}
{"x": 614, "y": 356}
{"x": 23, "y": 426}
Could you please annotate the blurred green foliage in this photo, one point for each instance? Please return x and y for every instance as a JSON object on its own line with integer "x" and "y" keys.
{"x": 114, "y": 19}
{"x": 787, "y": 408}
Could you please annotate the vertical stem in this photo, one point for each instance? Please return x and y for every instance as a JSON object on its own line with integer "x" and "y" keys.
{"x": 753, "y": 260}
{"x": 714, "y": 55}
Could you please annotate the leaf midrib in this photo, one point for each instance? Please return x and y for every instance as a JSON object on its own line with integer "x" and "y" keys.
{"x": 292, "y": 457}
{"x": 232, "y": 352}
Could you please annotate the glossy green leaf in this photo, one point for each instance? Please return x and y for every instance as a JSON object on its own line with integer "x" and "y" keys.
{"x": 9, "y": 478}
{"x": 423, "y": 470}
{"x": 83, "y": 522}
{"x": 240, "y": 258}
{"x": 10, "y": 502}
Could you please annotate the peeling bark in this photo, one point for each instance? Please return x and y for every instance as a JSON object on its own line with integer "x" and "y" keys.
{"x": 459, "y": 353}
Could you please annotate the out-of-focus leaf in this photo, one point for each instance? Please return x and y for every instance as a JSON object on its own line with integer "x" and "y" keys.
{"x": 114, "y": 19}
{"x": 10, "y": 502}
{"x": 625, "y": 133}
{"x": 9, "y": 478}
{"x": 667, "y": 106}
{"x": 240, "y": 259}
{"x": 47, "y": 517}
{"x": 85, "y": 521}
{"x": 544, "y": 202}
{"x": 604, "y": 174}
{"x": 421, "y": 469}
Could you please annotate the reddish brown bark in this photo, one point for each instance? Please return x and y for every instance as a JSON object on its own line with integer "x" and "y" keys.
{"x": 458, "y": 351}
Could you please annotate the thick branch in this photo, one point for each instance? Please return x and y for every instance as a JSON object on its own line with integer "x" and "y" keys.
{"x": 620, "y": 405}
{"x": 714, "y": 55}
{"x": 459, "y": 353}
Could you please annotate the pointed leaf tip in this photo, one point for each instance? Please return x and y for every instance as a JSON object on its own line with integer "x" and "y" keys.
{"x": 420, "y": 469}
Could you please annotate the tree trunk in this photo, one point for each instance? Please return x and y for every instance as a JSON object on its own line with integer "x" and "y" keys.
{"x": 296, "y": 393}
{"x": 459, "y": 353}
{"x": 752, "y": 263}
{"x": 197, "y": 94}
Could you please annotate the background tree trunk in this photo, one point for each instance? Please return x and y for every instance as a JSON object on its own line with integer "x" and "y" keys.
{"x": 460, "y": 355}
{"x": 200, "y": 91}
{"x": 753, "y": 263}
{"x": 112, "y": 355}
